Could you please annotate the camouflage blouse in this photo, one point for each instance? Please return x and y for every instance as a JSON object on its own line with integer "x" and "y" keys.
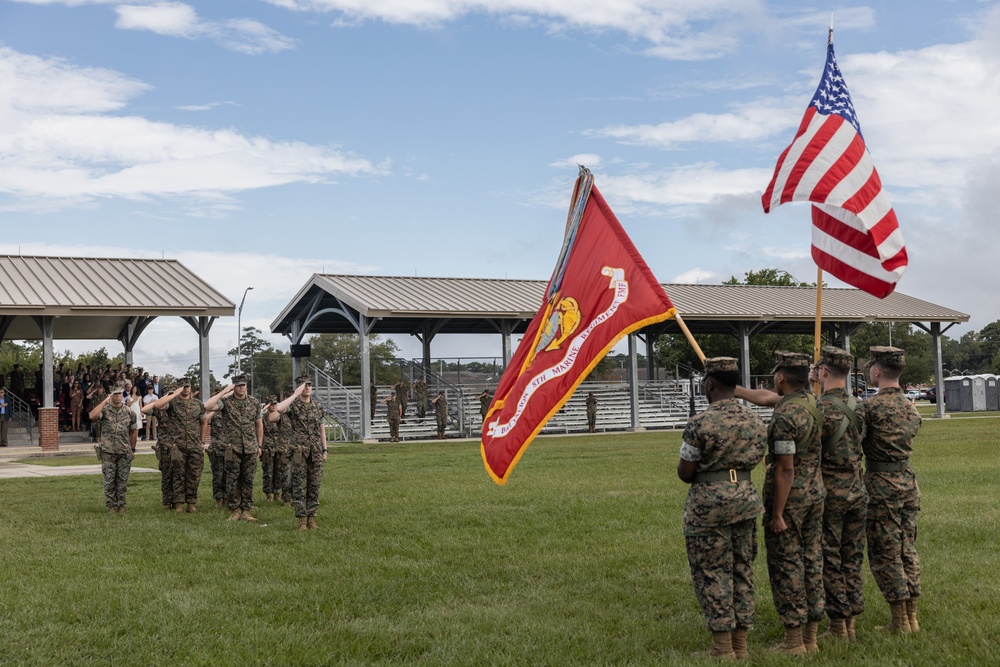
{"x": 277, "y": 434}
{"x": 842, "y": 456}
{"x": 793, "y": 430}
{"x": 239, "y": 418}
{"x": 185, "y": 421}
{"x": 891, "y": 423}
{"x": 306, "y": 420}
{"x": 725, "y": 436}
{"x": 116, "y": 423}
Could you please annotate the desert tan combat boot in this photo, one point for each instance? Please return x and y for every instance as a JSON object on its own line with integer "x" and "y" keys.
{"x": 269, "y": 496}
{"x": 303, "y": 523}
{"x": 246, "y": 516}
{"x": 234, "y": 515}
{"x": 809, "y": 631}
{"x": 837, "y": 630}
{"x": 792, "y": 645}
{"x": 911, "y": 614}
{"x": 218, "y": 503}
{"x": 899, "y": 622}
{"x": 179, "y": 508}
{"x": 852, "y": 634}
{"x": 112, "y": 510}
{"x": 740, "y": 644}
{"x": 191, "y": 509}
{"x": 311, "y": 523}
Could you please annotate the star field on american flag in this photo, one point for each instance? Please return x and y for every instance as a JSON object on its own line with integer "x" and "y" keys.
{"x": 832, "y": 96}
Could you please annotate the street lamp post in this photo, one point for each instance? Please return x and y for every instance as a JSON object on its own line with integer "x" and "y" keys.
{"x": 239, "y": 333}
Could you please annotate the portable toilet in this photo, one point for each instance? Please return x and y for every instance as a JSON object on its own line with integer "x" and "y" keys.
{"x": 958, "y": 394}
{"x": 978, "y": 393}
{"x": 992, "y": 392}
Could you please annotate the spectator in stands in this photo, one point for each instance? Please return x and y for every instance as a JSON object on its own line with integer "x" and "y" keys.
{"x": 6, "y": 412}
{"x": 16, "y": 378}
{"x": 484, "y": 403}
{"x": 76, "y": 407}
{"x": 441, "y": 414}
{"x": 150, "y": 397}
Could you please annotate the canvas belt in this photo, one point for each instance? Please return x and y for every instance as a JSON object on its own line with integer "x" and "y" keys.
{"x": 730, "y": 475}
{"x": 887, "y": 466}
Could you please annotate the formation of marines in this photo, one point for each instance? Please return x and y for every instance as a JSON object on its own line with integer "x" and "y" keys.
{"x": 236, "y": 431}
{"x": 818, "y": 507}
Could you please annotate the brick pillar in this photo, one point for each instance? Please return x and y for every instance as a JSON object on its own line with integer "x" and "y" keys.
{"x": 48, "y": 429}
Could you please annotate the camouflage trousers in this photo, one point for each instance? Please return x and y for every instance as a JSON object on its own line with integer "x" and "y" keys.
{"x": 166, "y": 479}
{"x": 217, "y": 462}
{"x": 186, "y": 474}
{"x": 116, "y": 468}
{"x": 421, "y": 408}
{"x": 892, "y": 550}
{"x": 843, "y": 555}
{"x": 274, "y": 466}
{"x": 240, "y": 471}
{"x": 306, "y": 478}
{"x": 393, "y": 428}
{"x": 795, "y": 564}
{"x": 592, "y": 422}
{"x": 442, "y": 424}
{"x": 721, "y": 560}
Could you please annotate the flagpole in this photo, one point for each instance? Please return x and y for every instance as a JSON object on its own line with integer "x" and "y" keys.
{"x": 690, "y": 338}
{"x": 819, "y": 322}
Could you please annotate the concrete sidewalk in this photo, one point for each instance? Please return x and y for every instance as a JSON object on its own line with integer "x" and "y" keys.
{"x": 9, "y": 470}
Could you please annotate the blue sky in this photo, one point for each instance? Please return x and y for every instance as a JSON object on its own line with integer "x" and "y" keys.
{"x": 260, "y": 141}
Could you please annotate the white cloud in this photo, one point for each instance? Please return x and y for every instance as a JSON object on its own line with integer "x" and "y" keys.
{"x": 208, "y": 106}
{"x": 698, "y": 276}
{"x": 669, "y": 26}
{"x": 57, "y": 142}
{"x": 589, "y": 160}
{"x": 177, "y": 19}
{"x": 687, "y": 185}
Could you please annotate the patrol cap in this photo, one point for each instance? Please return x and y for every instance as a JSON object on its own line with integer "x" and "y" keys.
{"x": 303, "y": 379}
{"x": 272, "y": 399}
{"x": 786, "y": 359}
{"x": 890, "y": 357}
{"x": 184, "y": 382}
{"x": 836, "y": 357}
{"x": 239, "y": 380}
{"x": 721, "y": 365}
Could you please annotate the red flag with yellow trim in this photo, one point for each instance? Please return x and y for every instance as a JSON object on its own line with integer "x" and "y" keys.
{"x": 600, "y": 291}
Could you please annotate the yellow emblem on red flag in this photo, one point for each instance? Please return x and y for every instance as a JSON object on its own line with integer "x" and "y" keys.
{"x": 601, "y": 291}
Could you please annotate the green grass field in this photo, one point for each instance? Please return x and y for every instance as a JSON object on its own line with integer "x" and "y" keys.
{"x": 421, "y": 559}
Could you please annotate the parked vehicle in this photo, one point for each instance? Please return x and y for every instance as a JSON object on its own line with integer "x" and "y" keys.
{"x": 932, "y": 394}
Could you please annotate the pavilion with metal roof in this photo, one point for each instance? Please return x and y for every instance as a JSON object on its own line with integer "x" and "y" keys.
{"x": 49, "y": 298}
{"x": 426, "y": 307}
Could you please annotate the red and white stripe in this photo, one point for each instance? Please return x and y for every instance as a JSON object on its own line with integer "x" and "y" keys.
{"x": 856, "y": 237}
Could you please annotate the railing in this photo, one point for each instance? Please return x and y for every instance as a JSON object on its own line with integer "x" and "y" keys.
{"x": 340, "y": 404}
{"x": 21, "y": 415}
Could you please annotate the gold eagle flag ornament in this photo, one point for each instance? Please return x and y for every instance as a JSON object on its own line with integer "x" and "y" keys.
{"x": 601, "y": 291}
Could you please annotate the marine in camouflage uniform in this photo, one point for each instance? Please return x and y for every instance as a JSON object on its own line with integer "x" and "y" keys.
{"x": 186, "y": 415}
{"x": 402, "y": 395}
{"x": 420, "y": 397}
{"x": 162, "y": 450}
{"x": 117, "y": 448}
{"x": 242, "y": 435}
{"x": 591, "y": 412}
{"x": 217, "y": 458}
{"x": 308, "y": 448}
{"x": 484, "y": 403}
{"x": 893, "y": 495}
{"x": 441, "y": 414}
{"x": 393, "y": 415}
{"x": 793, "y": 505}
{"x": 846, "y": 499}
{"x": 373, "y": 399}
{"x": 721, "y": 446}
{"x": 274, "y": 459}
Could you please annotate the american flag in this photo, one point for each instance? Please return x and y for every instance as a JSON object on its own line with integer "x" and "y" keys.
{"x": 856, "y": 237}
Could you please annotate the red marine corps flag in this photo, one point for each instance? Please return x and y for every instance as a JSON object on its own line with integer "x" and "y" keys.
{"x": 855, "y": 234}
{"x": 601, "y": 290}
